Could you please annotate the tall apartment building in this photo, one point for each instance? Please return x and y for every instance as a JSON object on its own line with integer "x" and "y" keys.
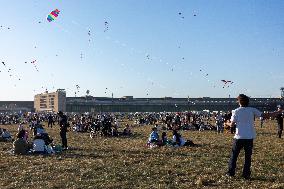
{"x": 55, "y": 101}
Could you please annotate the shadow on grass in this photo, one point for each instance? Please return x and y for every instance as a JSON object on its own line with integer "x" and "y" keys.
{"x": 266, "y": 133}
{"x": 263, "y": 178}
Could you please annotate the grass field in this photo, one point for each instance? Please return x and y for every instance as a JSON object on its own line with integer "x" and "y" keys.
{"x": 127, "y": 163}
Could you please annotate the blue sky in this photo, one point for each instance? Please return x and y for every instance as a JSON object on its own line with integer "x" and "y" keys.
{"x": 148, "y": 50}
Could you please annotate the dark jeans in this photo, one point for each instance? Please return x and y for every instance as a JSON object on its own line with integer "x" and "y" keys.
{"x": 280, "y": 129}
{"x": 50, "y": 123}
{"x": 238, "y": 144}
{"x": 63, "y": 139}
{"x": 189, "y": 143}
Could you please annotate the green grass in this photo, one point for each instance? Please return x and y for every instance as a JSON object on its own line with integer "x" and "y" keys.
{"x": 127, "y": 163}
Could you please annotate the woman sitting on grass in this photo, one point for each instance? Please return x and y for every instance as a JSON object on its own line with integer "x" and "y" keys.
{"x": 21, "y": 128}
{"x": 178, "y": 140}
{"x": 20, "y": 145}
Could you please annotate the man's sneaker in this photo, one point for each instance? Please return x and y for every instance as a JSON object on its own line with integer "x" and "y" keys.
{"x": 230, "y": 174}
{"x": 246, "y": 177}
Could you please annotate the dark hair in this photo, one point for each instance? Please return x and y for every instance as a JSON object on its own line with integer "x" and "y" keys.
{"x": 243, "y": 100}
{"x": 21, "y": 134}
{"x": 38, "y": 136}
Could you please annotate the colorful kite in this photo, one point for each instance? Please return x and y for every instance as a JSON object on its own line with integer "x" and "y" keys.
{"x": 54, "y": 14}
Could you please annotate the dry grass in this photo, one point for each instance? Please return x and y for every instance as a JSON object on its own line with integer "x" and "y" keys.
{"x": 127, "y": 163}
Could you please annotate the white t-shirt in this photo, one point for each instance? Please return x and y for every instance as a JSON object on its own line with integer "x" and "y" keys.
{"x": 244, "y": 119}
{"x": 182, "y": 141}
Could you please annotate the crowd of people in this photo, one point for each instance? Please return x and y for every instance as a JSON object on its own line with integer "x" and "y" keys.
{"x": 239, "y": 122}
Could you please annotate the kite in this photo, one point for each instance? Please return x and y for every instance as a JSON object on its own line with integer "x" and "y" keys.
{"x": 181, "y": 15}
{"x": 106, "y": 26}
{"x": 33, "y": 62}
{"x": 227, "y": 82}
{"x": 148, "y": 56}
{"x": 54, "y": 14}
{"x": 4, "y": 63}
{"x": 89, "y": 34}
{"x": 78, "y": 88}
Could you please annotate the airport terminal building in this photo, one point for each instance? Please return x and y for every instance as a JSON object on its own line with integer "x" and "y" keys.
{"x": 57, "y": 101}
{"x": 166, "y": 104}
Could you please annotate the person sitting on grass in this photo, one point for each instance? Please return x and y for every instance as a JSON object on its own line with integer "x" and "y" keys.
{"x": 165, "y": 140}
{"x": 114, "y": 130}
{"x": 5, "y": 136}
{"x": 39, "y": 145}
{"x": 126, "y": 130}
{"x": 153, "y": 140}
{"x": 22, "y": 128}
{"x": 178, "y": 140}
{"x": 20, "y": 145}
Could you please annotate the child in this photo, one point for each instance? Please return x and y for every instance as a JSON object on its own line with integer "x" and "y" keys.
{"x": 165, "y": 140}
{"x": 219, "y": 123}
{"x": 153, "y": 140}
{"x": 126, "y": 130}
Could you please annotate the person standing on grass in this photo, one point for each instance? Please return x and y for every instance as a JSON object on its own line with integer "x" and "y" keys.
{"x": 243, "y": 120}
{"x": 50, "y": 120}
{"x": 63, "y": 123}
{"x": 279, "y": 119}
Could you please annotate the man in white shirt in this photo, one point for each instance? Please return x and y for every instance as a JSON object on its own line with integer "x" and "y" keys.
{"x": 243, "y": 119}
